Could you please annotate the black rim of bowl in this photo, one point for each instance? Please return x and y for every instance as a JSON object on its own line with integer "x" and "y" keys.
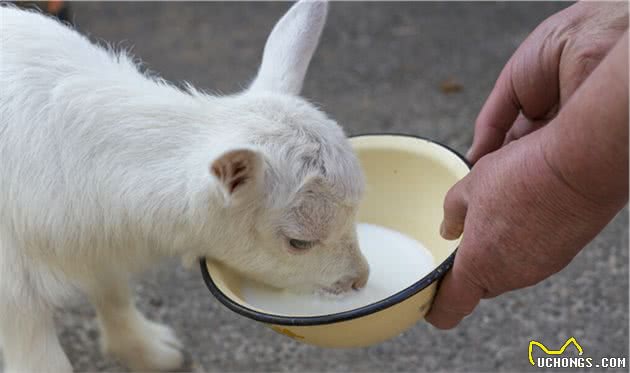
{"x": 417, "y": 287}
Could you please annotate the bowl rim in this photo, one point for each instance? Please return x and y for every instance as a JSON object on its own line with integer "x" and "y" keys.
{"x": 332, "y": 318}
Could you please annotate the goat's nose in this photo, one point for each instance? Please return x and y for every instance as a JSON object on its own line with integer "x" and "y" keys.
{"x": 360, "y": 281}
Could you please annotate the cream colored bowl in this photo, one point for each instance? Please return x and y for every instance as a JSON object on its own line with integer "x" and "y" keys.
{"x": 407, "y": 180}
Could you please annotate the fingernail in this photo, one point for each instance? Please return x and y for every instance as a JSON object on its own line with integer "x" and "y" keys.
{"x": 442, "y": 230}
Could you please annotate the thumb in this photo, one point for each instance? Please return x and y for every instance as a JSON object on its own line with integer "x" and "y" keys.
{"x": 457, "y": 297}
{"x": 455, "y": 207}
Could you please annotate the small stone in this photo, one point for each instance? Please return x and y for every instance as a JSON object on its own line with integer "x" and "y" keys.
{"x": 156, "y": 302}
{"x": 450, "y": 85}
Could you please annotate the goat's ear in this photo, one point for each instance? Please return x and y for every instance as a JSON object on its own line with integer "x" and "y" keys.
{"x": 239, "y": 172}
{"x": 290, "y": 47}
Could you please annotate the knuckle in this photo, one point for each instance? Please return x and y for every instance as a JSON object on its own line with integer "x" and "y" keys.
{"x": 451, "y": 197}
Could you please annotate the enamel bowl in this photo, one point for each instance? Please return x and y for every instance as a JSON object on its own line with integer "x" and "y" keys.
{"x": 407, "y": 179}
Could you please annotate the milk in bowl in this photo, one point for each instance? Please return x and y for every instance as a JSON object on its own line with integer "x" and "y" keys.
{"x": 396, "y": 262}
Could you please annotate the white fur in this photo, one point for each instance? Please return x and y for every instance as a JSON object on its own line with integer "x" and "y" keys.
{"x": 104, "y": 170}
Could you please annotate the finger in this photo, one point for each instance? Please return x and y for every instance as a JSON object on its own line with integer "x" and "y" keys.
{"x": 456, "y": 298}
{"x": 496, "y": 116}
{"x": 455, "y": 207}
{"x": 528, "y": 83}
{"x": 523, "y": 127}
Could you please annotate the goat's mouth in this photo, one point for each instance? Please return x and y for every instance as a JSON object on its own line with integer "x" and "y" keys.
{"x": 332, "y": 291}
{"x": 344, "y": 286}
{"x": 336, "y": 291}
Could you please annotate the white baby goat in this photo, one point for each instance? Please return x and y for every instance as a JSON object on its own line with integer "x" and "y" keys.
{"x": 104, "y": 170}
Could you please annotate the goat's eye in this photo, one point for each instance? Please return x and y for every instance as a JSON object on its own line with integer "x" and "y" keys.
{"x": 301, "y": 245}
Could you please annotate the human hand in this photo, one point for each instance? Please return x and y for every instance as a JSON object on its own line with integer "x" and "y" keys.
{"x": 522, "y": 224}
{"x": 528, "y": 208}
{"x": 545, "y": 71}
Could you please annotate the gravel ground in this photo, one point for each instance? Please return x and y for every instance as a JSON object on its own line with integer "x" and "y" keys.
{"x": 380, "y": 67}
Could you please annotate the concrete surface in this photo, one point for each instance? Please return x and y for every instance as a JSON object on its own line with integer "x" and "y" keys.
{"x": 379, "y": 68}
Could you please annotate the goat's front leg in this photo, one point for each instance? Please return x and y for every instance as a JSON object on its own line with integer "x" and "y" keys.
{"x": 126, "y": 334}
{"x": 30, "y": 343}
{"x": 27, "y": 330}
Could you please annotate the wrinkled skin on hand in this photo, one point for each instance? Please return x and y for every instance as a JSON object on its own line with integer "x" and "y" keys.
{"x": 529, "y": 206}
{"x": 545, "y": 71}
{"x": 523, "y": 224}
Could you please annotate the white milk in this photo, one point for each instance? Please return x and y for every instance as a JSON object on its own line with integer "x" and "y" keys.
{"x": 396, "y": 262}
